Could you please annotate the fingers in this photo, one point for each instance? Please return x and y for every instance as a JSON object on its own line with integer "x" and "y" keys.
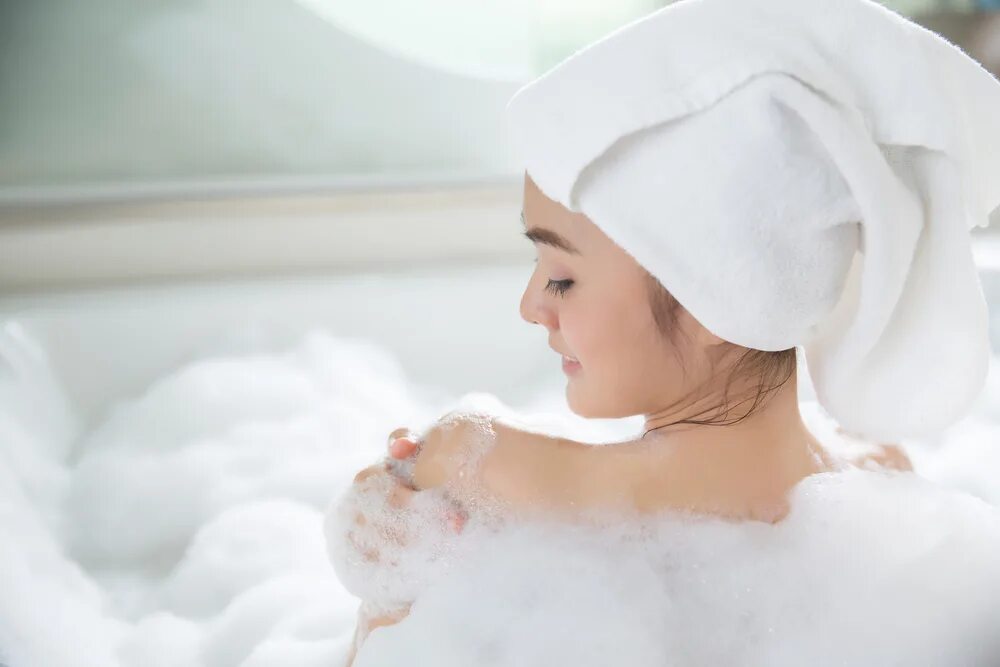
{"x": 365, "y": 473}
{"x": 403, "y": 443}
{"x": 386, "y": 534}
{"x": 402, "y": 448}
{"x": 378, "y": 533}
{"x": 369, "y": 554}
{"x": 398, "y": 433}
{"x": 893, "y": 456}
{"x": 456, "y": 519}
{"x": 395, "y": 533}
{"x": 400, "y": 496}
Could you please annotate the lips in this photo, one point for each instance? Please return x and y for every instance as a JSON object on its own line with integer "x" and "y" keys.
{"x": 565, "y": 356}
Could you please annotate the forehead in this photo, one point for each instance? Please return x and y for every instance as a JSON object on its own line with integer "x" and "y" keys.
{"x": 540, "y": 210}
{"x": 593, "y": 244}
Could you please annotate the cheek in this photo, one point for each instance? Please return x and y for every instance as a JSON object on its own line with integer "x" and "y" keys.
{"x": 619, "y": 366}
{"x": 607, "y": 338}
{"x": 625, "y": 348}
{"x": 585, "y": 335}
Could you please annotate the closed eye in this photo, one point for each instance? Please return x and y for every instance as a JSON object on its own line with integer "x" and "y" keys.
{"x": 558, "y": 286}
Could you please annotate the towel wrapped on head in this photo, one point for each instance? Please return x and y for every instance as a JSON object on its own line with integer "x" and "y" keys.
{"x": 795, "y": 174}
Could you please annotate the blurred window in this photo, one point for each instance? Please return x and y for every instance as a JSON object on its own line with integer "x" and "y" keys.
{"x": 99, "y": 92}
{"x": 119, "y": 92}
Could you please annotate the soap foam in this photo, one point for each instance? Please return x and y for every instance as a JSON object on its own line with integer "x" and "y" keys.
{"x": 185, "y": 527}
{"x": 868, "y": 568}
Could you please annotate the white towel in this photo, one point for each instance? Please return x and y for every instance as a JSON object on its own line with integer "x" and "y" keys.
{"x": 796, "y": 173}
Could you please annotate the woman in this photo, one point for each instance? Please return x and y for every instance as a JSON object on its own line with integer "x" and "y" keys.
{"x": 701, "y": 450}
{"x": 708, "y": 189}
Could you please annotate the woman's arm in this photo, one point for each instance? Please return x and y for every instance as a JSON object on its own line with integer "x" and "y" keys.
{"x": 368, "y": 622}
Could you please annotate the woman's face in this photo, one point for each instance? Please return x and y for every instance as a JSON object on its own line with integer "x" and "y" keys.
{"x": 593, "y": 299}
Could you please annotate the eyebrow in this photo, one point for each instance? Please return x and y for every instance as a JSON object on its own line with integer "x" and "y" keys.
{"x": 548, "y": 237}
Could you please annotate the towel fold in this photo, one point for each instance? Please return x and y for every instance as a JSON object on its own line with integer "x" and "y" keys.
{"x": 795, "y": 173}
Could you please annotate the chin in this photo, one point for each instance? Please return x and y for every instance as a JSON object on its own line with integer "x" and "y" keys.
{"x": 587, "y": 408}
{"x": 573, "y": 402}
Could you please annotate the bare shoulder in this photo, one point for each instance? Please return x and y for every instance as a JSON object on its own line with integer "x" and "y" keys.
{"x": 448, "y": 448}
{"x": 521, "y": 468}
{"x": 528, "y": 472}
{"x": 539, "y": 473}
{"x": 533, "y": 471}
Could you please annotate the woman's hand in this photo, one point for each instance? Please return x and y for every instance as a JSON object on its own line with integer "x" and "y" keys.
{"x": 883, "y": 455}
{"x": 385, "y": 538}
{"x": 886, "y": 455}
{"x": 404, "y": 448}
{"x": 376, "y": 521}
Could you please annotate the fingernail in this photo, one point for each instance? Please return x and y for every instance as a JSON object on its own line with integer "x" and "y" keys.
{"x": 402, "y": 447}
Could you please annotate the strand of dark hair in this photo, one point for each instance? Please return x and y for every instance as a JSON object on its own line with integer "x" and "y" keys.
{"x": 772, "y": 368}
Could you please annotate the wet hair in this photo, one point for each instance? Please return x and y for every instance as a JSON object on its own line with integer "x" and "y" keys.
{"x": 771, "y": 369}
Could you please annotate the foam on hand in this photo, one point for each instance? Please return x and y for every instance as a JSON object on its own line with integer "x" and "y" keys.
{"x": 409, "y": 545}
{"x": 387, "y": 555}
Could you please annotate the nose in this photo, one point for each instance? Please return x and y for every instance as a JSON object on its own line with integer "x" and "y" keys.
{"x": 533, "y": 307}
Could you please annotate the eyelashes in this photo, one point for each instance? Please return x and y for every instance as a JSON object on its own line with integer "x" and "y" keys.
{"x": 558, "y": 287}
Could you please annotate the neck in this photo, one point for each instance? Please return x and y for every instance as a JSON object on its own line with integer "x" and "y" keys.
{"x": 776, "y": 412}
{"x": 774, "y": 434}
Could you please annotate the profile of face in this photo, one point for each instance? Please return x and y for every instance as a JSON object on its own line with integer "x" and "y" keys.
{"x": 593, "y": 298}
